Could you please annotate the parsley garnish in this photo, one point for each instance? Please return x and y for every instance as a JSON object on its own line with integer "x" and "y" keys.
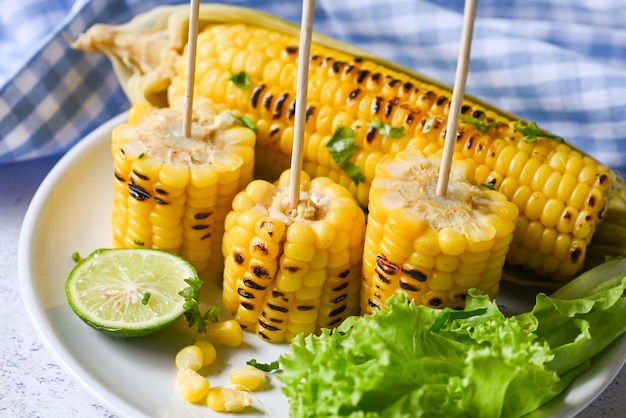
{"x": 192, "y": 313}
{"x": 489, "y": 186}
{"x": 480, "y": 124}
{"x": 138, "y": 243}
{"x": 140, "y": 156}
{"x": 275, "y": 365}
{"x": 341, "y": 147}
{"x": 241, "y": 80}
{"x": 146, "y": 298}
{"x": 428, "y": 125}
{"x": 387, "y": 130}
{"x": 75, "y": 257}
{"x": 531, "y": 132}
{"x": 245, "y": 122}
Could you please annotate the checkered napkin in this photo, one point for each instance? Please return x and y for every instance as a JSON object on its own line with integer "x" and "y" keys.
{"x": 561, "y": 63}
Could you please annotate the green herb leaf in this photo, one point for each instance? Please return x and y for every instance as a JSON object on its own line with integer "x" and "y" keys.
{"x": 428, "y": 125}
{"x": 341, "y": 147}
{"x": 241, "y": 79}
{"x": 146, "y": 298}
{"x": 140, "y": 156}
{"x": 387, "y": 130}
{"x": 75, "y": 257}
{"x": 480, "y": 124}
{"x": 192, "y": 313}
{"x": 275, "y": 365}
{"x": 531, "y": 132}
{"x": 138, "y": 243}
{"x": 488, "y": 186}
{"x": 246, "y": 122}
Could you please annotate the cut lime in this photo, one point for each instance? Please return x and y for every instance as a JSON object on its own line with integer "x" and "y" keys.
{"x": 129, "y": 292}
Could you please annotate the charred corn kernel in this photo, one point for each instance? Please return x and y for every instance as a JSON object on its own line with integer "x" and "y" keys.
{"x": 226, "y": 333}
{"x": 167, "y": 186}
{"x": 310, "y": 274}
{"x": 189, "y": 357}
{"x": 248, "y": 378}
{"x": 449, "y": 227}
{"x": 192, "y": 386}
{"x": 353, "y": 90}
{"x": 223, "y": 399}
{"x": 208, "y": 352}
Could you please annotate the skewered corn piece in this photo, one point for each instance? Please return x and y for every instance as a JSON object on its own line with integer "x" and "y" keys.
{"x": 558, "y": 190}
{"x": 172, "y": 192}
{"x": 433, "y": 248}
{"x": 561, "y": 193}
{"x": 292, "y": 270}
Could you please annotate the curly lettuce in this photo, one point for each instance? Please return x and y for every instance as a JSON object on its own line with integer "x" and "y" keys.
{"x": 415, "y": 361}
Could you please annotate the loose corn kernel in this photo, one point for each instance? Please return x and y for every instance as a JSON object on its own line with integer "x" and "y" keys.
{"x": 227, "y": 333}
{"x": 249, "y": 378}
{"x": 223, "y": 399}
{"x": 208, "y": 352}
{"x": 192, "y": 386}
{"x": 189, "y": 357}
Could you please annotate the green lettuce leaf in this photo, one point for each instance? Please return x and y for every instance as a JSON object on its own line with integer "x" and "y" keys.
{"x": 415, "y": 361}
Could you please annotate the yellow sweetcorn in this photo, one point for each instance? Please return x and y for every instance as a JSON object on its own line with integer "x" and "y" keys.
{"x": 192, "y": 386}
{"x": 434, "y": 248}
{"x": 227, "y": 333}
{"x": 172, "y": 192}
{"x": 224, "y": 399}
{"x": 292, "y": 270}
{"x": 248, "y": 378}
{"x": 561, "y": 193}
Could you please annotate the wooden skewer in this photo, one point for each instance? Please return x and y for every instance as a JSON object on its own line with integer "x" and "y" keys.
{"x": 304, "y": 50}
{"x": 462, "y": 67}
{"x": 192, "y": 41}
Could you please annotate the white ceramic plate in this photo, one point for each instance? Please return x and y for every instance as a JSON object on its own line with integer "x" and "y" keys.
{"x": 135, "y": 377}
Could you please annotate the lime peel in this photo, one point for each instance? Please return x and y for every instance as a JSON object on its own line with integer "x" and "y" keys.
{"x": 108, "y": 289}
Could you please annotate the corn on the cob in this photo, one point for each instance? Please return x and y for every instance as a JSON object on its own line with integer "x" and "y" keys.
{"x": 292, "y": 270}
{"x": 434, "y": 248}
{"x": 172, "y": 192}
{"x": 561, "y": 193}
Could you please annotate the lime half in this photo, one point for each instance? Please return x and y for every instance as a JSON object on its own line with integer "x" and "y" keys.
{"x": 129, "y": 292}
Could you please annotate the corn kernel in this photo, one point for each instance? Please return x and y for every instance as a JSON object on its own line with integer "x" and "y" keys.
{"x": 192, "y": 386}
{"x": 249, "y": 378}
{"x": 222, "y": 399}
{"x": 189, "y": 357}
{"x": 208, "y": 352}
{"x": 228, "y": 333}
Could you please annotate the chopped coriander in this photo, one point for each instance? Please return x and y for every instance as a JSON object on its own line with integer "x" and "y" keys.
{"x": 241, "y": 79}
{"x": 531, "y": 132}
{"x": 75, "y": 257}
{"x": 246, "y": 122}
{"x": 428, "y": 125}
{"x": 341, "y": 147}
{"x": 140, "y": 156}
{"x": 489, "y": 186}
{"x": 480, "y": 124}
{"x": 146, "y": 298}
{"x": 387, "y": 130}
{"x": 138, "y": 243}
{"x": 266, "y": 367}
{"x": 192, "y": 314}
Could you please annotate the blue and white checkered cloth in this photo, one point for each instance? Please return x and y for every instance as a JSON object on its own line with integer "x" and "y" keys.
{"x": 561, "y": 63}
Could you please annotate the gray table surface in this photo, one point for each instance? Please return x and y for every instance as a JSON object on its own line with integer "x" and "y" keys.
{"x": 31, "y": 382}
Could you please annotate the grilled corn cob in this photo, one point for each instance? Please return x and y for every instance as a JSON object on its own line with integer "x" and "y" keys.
{"x": 172, "y": 192}
{"x": 434, "y": 248}
{"x": 561, "y": 193}
{"x": 290, "y": 271}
